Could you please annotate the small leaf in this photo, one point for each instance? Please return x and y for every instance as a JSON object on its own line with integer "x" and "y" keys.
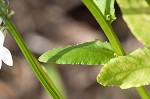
{"x": 89, "y": 53}
{"x": 107, "y": 9}
{"x": 127, "y": 71}
{"x": 136, "y": 13}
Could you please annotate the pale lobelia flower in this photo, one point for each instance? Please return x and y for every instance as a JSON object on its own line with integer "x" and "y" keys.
{"x": 5, "y": 54}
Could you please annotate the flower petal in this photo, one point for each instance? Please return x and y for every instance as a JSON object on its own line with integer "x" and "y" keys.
{"x": 2, "y": 37}
{"x": 6, "y": 56}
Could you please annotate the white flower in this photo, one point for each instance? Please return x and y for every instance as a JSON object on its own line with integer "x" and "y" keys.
{"x": 5, "y": 54}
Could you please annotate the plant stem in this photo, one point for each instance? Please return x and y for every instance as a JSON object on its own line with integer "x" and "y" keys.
{"x": 35, "y": 65}
{"x": 105, "y": 26}
{"x": 111, "y": 37}
{"x": 143, "y": 92}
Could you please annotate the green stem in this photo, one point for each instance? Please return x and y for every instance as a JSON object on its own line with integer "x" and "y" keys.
{"x": 105, "y": 26}
{"x": 35, "y": 65}
{"x": 111, "y": 37}
{"x": 143, "y": 92}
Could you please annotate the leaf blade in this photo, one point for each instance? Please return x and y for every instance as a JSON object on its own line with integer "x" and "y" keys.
{"x": 89, "y": 53}
{"x": 127, "y": 71}
{"x": 136, "y": 13}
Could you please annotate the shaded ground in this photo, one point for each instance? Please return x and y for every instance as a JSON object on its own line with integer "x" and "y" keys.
{"x": 46, "y": 24}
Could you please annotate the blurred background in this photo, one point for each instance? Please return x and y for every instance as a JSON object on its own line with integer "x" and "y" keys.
{"x": 47, "y": 24}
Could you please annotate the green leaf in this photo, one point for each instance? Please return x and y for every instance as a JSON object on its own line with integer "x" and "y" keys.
{"x": 89, "y": 53}
{"x": 136, "y": 13}
{"x": 107, "y": 9}
{"x": 127, "y": 71}
{"x": 148, "y": 2}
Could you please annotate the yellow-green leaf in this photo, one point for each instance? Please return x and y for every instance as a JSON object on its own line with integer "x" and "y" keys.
{"x": 136, "y": 13}
{"x": 127, "y": 71}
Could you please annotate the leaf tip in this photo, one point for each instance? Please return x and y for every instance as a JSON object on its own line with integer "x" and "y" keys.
{"x": 41, "y": 59}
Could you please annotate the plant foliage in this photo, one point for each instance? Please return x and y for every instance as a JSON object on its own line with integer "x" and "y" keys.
{"x": 89, "y": 53}
{"x": 127, "y": 71}
{"x": 136, "y": 14}
{"x": 107, "y": 9}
